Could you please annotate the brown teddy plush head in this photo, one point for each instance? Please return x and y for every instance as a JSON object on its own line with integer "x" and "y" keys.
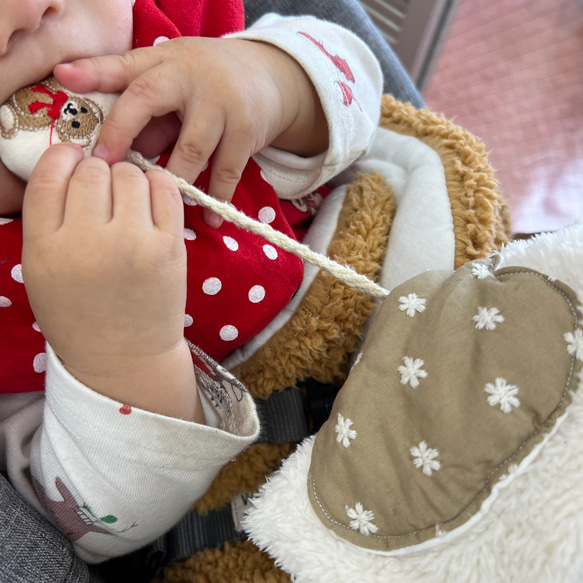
{"x": 47, "y": 105}
{"x": 44, "y": 114}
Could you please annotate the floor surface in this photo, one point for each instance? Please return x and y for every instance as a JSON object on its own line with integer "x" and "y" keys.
{"x": 511, "y": 72}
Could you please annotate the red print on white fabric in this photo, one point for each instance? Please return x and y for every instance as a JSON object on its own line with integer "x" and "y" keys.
{"x": 342, "y": 65}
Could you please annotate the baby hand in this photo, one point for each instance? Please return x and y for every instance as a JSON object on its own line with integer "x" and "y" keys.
{"x": 104, "y": 265}
{"x": 232, "y": 97}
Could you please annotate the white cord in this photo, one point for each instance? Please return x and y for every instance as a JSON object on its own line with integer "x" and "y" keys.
{"x": 343, "y": 273}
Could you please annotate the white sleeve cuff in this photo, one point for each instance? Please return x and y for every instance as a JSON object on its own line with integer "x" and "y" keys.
{"x": 113, "y": 478}
{"x": 348, "y": 80}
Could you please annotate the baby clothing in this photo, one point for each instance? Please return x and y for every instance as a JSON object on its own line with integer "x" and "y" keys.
{"x": 236, "y": 282}
{"x": 112, "y": 477}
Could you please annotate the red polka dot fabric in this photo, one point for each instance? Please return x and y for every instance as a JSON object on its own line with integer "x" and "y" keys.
{"x": 22, "y": 345}
{"x": 237, "y": 281}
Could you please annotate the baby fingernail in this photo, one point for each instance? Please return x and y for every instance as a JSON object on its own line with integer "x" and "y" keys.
{"x": 100, "y": 151}
{"x": 213, "y": 220}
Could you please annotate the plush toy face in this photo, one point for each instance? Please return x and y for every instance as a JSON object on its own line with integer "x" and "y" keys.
{"x": 43, "y": 114}
{"x": 46, "y": 106}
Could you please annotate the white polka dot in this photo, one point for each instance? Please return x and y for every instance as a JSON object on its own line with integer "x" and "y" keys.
{"x": 155, "y": 159}
{"x": 262, "y": 174}
{"x": 160, "y": 40}
{"x": 35, "y": 326}
{"x": 4, "y": 221}
{"x": 5, "y": 302}
{"x": 40, "y": 362}
{"x": 206, "y": 165}
{"x": 231, "y": 243}
{"x": 189, "y": 235}
{"x": 188, "y": 201}
{"x": 188, "y": 321}
{"x": 17, "y": 273}
{"x": 256, "y": 294}
{"x": 270, "y": 251}
{"x": 266, "y": 215}
{"x": 228, "y": 333}
{"x": 212, "y": 286}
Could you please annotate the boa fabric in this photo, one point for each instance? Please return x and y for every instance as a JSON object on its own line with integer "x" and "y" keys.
{"x": 532, "y": 531}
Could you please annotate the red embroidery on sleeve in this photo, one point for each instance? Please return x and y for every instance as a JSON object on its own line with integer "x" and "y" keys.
{"x": 338, "y": 61}
{"x": 348, "y": 95}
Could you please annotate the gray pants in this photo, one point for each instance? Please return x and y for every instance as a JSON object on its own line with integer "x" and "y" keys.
{"x": 31, "y": 549}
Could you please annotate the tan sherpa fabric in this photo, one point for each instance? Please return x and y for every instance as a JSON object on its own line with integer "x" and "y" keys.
{"x": 332, "y": 317}
{"x": 245, "y": 474}
{"x": 241, "y": 562}
{"x": 480, "y": 215}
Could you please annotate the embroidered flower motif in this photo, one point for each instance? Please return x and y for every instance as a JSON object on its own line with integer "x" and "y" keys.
{"x": 424, "y": 458}
{"x": 481, "y": 271}
{"x": 575, "y": 343}
{"x": 503, "y": 394}
{"x": 344, "y": 433}
{"x": 487, "y": 318}
{"x": 411, "y": 371}
{"x": 361, "y": 519}
{"x": 411, "y": 304}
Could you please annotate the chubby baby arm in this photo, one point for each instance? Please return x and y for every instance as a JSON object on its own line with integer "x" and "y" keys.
{"x": 114, "y": 458}
{"x": 104, "y": 264}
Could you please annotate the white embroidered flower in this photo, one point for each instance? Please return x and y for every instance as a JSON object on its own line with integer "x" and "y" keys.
{"x": 481, "y": 271}
{"x": 575, "y": 343}
{"x": 361, "y": 519}
{"x": 424, "y": 458}
{"x": 343, "y": 431}
{"x": 487, "y": 318}
{"x": 412, "y": 304}
{"x": 411, "y": 371}
{"x": 503, "y": 394}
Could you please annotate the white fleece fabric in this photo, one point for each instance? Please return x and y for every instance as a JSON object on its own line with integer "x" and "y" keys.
{"x": 532, "y": 531}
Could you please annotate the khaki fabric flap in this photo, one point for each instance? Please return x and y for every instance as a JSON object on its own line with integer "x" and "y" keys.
{"x": 460, "y": 378}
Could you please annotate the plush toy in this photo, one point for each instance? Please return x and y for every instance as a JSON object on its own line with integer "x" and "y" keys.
{"x": 40, "y": 115}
